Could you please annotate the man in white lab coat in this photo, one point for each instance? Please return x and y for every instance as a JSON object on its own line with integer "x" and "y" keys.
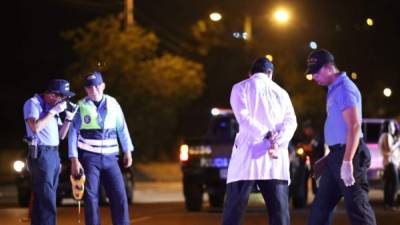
{"x": 259, "y": 157}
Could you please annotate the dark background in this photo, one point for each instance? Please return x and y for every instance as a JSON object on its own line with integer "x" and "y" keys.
{"x": 34, "y": 51}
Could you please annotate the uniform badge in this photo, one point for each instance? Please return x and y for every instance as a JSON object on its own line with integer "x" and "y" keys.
{"x": 87, "y": 119}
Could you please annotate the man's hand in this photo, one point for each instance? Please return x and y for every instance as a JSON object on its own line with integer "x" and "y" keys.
{"x": 75, "y": 166}
{"x": 273, "y": 147}
{"x": 69, "y": 115}
{"x": 58, "y": 108}
{"x": 127, "y": 160}
{"x": 346, "y": 173}
{"x": 273, "y": 151}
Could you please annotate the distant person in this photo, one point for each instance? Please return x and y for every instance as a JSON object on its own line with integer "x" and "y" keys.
{"x": 44, "y": 129}
{"x": 345, "y": 172}
{"x": 93, "y": 148}
{"x": 389, "y": 146}
{"x": 313, "y": 144}
{"x": 259, "y": 157}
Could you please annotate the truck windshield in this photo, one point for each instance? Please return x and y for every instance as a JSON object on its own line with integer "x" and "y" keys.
{"x": 222, "y": 128}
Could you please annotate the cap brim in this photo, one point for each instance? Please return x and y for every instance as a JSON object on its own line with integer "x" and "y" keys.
{"x": 312, "y": 69}
{"x": 89, "y": 84}
{"x": 68, "y": 93}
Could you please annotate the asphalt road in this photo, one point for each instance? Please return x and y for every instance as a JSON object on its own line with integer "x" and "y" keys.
{"x": 159, "y": 203}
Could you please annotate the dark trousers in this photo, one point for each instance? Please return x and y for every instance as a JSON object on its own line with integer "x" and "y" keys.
{"x": 274, "y": 192}
{"x": 332, "y": 189}
{"x": 45, "y": 171}
{"x": 104, "y": 168}
{"x": 391, "y": 176}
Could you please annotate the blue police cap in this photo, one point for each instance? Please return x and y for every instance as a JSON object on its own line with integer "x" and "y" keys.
{"x": 93, "y": 79}
{"x": 60, "y": 86}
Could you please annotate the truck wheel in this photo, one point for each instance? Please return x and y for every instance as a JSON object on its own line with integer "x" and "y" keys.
{"x": 193, "y": 192}
{"x": 216, "y": 199}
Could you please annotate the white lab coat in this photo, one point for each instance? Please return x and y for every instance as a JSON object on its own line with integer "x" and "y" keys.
{"x": 260, "y": 105}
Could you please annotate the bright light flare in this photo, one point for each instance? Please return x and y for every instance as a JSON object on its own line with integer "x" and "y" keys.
{"x": 300, "y": 151}
{"x": 309, "y": 76}
{"x": 281, "y": 15}
{"x": 313, "y": 45}
{"x": 387, "y": 92}
{"x": 184, "y": 153}
{"x": 370, "y": 22}
{"x": 215, "y": 16}
{"x": 269, "y": 57}
{"x": 354, "y": 75}
{"x": 18, "y": 166}
{"x": 215, "y": 111}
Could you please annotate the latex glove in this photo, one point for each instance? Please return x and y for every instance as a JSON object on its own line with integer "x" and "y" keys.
{"x": 69, "y": 115}
{"x": 58, "y": 108}
{"x": 346, "y": 173}
{"x": 127, "y": 160}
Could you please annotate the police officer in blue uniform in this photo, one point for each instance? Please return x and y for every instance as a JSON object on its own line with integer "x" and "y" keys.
{"x": 93, "y": 147}
{"x": 346, "y": 165}
{"x": 44, "y": 130}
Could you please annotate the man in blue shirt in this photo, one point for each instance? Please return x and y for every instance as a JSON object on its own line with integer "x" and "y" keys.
{"x": 44, "y": 130}
{"x": 93, "y": 148}
{"x": 345, "y": 172}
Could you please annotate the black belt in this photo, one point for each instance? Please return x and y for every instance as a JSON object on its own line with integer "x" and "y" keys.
{"x": 47, "y": 147}
{"x": 341, "y": 146}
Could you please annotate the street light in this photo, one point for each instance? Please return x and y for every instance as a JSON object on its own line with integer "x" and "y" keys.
{"x": 387, "y": 92}
{"x": 215, "y": 16}
{"x": 354, "y": 75}
{"x": 370, "y": 22}
{"x": 281, "y": 15}
{"x": 269, "y": 57}
{"x": 313, "y": 45}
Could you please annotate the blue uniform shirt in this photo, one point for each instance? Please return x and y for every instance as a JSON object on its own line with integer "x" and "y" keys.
{"x": 342, "y": 94}
{"x": 36, "y": 108}
{"x": 121, "y": 127}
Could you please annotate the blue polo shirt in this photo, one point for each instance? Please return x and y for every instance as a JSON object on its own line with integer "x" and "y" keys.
{"x": 342, "y": 94}
{"x": 35, "y": 107}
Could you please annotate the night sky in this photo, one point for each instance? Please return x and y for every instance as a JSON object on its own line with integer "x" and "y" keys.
{"x": 34, "y": 51}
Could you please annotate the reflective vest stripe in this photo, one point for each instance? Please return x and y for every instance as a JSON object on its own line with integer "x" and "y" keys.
{"x": 97, "y": 142}
{"x": 97, "y": 134}
{"x": 101, "y": 150}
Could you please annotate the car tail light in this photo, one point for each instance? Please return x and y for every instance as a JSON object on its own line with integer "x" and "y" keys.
{"x": 184, "y": 153}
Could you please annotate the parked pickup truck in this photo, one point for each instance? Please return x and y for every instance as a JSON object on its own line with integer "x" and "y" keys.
{"x": 204, "y": 162}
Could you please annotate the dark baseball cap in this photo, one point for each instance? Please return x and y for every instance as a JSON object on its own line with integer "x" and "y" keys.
{"x": 260, "y": 65}
{"x": 93, "y": 79}
{"x": 60, "y": 86}
{"x": 317, "y": 59}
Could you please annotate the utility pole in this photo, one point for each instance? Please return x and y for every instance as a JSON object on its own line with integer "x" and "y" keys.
{"x": 247, "y": 27}
{"x": 128, "y": 11}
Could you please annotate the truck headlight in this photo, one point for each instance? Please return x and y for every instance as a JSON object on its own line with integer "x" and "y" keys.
{"x": 18, "y": 166}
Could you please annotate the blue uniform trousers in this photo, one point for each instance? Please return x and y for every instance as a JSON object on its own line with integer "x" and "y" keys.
{"x": 332, "y": 189}
{"x": 104, "y": 168}
{"x": 45, "y": 170}
{"x": 274, "y": 192}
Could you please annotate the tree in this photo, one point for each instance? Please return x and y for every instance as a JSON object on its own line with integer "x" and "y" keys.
{"x": 150, "y": 85}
